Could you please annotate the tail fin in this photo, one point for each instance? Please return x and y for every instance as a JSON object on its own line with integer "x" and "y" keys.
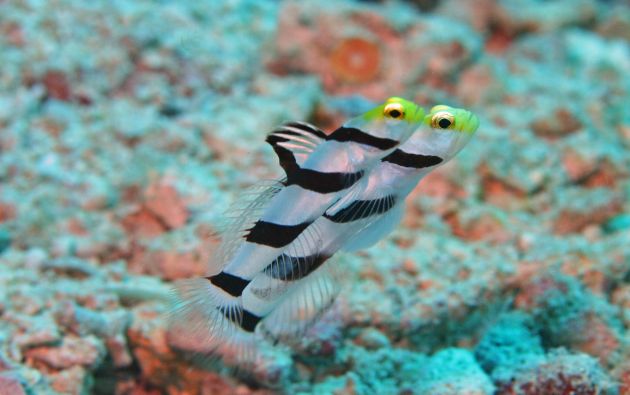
{"x": 206, "y": 320}
{"x": 200, "y": 295}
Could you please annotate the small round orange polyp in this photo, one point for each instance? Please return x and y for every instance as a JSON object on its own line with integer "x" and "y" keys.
{"x": 356, "y": 60}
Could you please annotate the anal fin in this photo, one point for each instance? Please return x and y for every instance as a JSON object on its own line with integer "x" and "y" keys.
{"x": 303, "y": 303}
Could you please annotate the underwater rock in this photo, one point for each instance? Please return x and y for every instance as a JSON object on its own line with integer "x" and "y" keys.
{"x": 32, "y": 330}
{"x": 174, "y": 265}
{"x": 598, "y": 338}
{"x": 331, "y": 54}
{"x": 622, "y": 374}
{"x": 480, "y": 224}
{"x": 148, "y": 343}
{"x": 57, "y": 85}
{"x": 499, "y": 192}
{"x": 142, "y": 223}
{"x": 559, "y": 373}
{"x": 478, "y": 15}
{"x": 109, "y": 325}
{"x": 354, "y": 59}
{"x": 372, "y": 339}
{"x": 618, "y": 25}
{"x": 508, "y": 176}
{"x": 86, "y": 351}
{"x": 121, "y": 161}
{"x": 570, "y": 316}
{"x": 621, "y": 298}
{"x": 162, "y": 200}
{"x": 7, "y": 212}
{"x": 588, "y": 171}
{"x": 557, "y": 124}
{"x": 508, "y": 343}
{"x": 168, "y": 361}
{"x": 324, "y": 339}
{"x": 11, "y": 385}
{"x": 397, "y": 373}
{"x": 518, "y": 16}
{"x": 64, "y": 327}
{"x": 178, "y": 254}
{"x": 71, "y": 381}
{"x": 477, "y": 85}
{"x": 98, "y": 194}
{"x": 453, "y": 371}
{"x": 579, "y": 208}
{"x": 70, "y": 267}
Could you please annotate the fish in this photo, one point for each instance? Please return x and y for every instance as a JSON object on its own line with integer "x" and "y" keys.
{"x": 320, "y": 170}
{"x": 299, "y": 284}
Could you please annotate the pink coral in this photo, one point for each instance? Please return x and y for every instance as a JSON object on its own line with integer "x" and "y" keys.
{"x": 356, "y": 60}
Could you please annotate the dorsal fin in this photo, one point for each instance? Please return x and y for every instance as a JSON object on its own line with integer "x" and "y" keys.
{"x": 293, "y": 142}
{"x": 241, "y": 216}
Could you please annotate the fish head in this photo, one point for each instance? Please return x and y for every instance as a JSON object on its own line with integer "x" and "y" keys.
{"x": 444, "y": 132}
{"x": 396, "y": 119}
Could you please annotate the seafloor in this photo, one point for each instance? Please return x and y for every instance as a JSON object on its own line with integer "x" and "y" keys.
{"x": 127, "y": 127}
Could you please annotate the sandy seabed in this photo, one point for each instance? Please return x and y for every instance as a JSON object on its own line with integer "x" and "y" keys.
{"x": 127, "y": 128}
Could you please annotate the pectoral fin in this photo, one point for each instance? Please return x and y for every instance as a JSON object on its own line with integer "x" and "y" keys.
{"x": 377, "y": 230}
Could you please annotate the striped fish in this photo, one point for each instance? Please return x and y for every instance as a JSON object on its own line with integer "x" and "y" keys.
{"x": 320, "y": 170}
{"x": 299, "y": 284}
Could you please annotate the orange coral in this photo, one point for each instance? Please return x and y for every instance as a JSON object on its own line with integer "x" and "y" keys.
{"x": 356, "y": 60}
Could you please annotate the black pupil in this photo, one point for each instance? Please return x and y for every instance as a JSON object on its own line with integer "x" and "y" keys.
{"x": 394, "y": 113}
{"x": 444, "y": 123}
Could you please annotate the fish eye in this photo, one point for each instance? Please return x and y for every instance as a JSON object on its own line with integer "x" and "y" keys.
{"x": 443, "y": 120}
{"x": 394, "y": 111}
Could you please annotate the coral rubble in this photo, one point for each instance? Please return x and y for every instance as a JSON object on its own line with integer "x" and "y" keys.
{"x": 127, "y": 128}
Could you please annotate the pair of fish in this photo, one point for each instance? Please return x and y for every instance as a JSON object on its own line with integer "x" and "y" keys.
{"x": 343, "y": 191}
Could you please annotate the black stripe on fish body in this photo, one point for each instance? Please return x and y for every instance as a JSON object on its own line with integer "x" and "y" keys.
{"x": 417, "y": 161}
{"x": 229, "y": 283}
{"x": 249, "y": 321}
{"x": 344, "y": 134}
{"x": 322, "y": 182}
{"x": 274, "y": 235}
{"x": 245, "y": 319}
{"x": 360, "y": 209}
{"x": 290, "y": 268}
{"x": 285, "y": 156}
{"x": 312, "y": 180}
{"x": 307, "y": 128}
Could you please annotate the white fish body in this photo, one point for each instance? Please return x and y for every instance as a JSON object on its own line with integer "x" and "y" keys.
{"x": 336, "y": 163}
{"x": 297, "y": 285}
{"x": 329, "y": 168}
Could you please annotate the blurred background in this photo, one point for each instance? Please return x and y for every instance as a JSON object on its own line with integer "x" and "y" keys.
{"x": 128, "y": 127}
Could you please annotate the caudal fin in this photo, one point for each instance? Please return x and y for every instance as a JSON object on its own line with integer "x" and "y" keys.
{"x": 206, "y": 320}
